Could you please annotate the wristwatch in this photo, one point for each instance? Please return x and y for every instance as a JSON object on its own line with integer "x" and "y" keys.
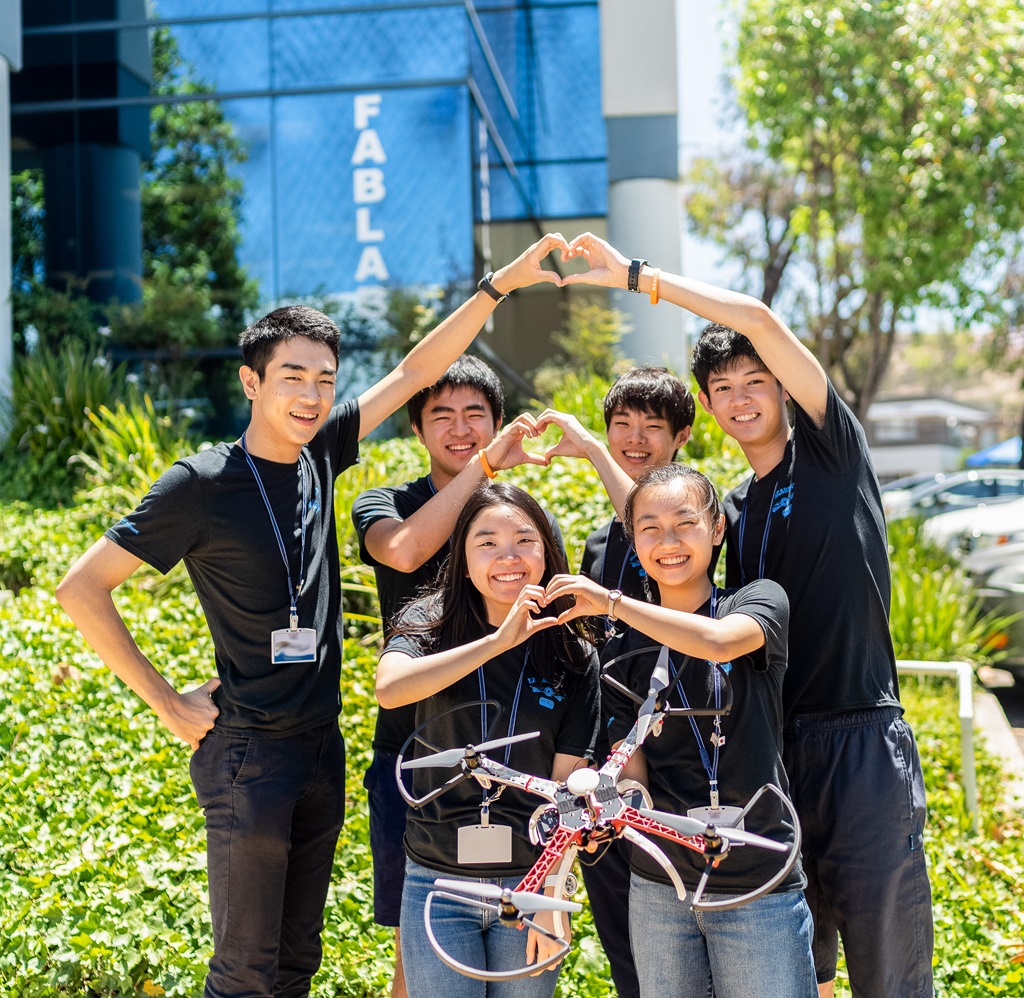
{"x": 633, "y": 277}
{"x": 484, "y": 285}
{"x": 614, "y": 596}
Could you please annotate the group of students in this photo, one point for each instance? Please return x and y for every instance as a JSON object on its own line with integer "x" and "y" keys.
{"x": 478, "y": 605}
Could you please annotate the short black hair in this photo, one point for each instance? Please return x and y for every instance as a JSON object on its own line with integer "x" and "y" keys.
{"x": 259, "y": 339}
{"x": 717, "y": 348}
{"x": 653, "y": 390}
{"x": 466, "y": 372}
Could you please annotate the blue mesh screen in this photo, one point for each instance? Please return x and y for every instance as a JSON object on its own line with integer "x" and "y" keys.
{"x": 368, "y": 49}
{"x": 229, "y": 56}
{"x": 410, "y": 219}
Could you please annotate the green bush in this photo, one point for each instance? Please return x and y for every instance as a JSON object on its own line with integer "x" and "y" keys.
{"x": 102, "y": 866}
{"x": 51, "y": 396}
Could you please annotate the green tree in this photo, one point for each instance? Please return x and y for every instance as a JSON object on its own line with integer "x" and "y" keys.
{"x": 191, "y": 201}
{"x": 900, "y": 125}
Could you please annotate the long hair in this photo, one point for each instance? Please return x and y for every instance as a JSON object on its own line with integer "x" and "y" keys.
{"x": 454, "y": 610}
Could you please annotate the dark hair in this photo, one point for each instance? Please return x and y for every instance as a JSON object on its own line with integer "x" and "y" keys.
{"x": 466, "y": 372}
{"x": 259, "y": 340}
{"x": 655, "y": 391}
{"x": 716, "y": 349}
{"x": 455, "y": 612}
{"x": 663, "y": 475}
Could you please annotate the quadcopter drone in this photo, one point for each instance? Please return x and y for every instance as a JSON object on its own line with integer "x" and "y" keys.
{"x": 589, "y": 808}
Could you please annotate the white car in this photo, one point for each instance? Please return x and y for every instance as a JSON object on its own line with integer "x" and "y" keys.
{"x": 983, "y": 526}
{"x": 954, "y": 490}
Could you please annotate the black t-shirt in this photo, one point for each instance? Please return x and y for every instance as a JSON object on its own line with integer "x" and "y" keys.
{"x": 394, "y": 588}
{"x": 824, "y": 542}
{"x": 750, "y": 757}
{"x": 566, "y": 715}
{"x": 610, "y": 560}
{"x": 207, "y": 510}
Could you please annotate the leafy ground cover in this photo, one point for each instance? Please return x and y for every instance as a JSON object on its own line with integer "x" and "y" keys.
{"x": 102, "y": 869}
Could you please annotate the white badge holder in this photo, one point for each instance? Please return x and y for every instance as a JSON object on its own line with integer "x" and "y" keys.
{"x": 292, "y": 645}
{"x": 485, "y": 843}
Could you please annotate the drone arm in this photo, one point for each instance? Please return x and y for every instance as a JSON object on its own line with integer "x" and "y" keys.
{"x": 488, "y": 769}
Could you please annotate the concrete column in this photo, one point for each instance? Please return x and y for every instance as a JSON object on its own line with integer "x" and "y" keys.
{"x": 640, "y": 101}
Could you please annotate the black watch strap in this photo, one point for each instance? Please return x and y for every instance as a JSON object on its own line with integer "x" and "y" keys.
{"x": 633, "y": 281}
{"x": 484, "y": 285}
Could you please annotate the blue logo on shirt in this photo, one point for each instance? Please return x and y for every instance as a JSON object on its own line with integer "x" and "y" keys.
{"x": 784, "y": 500}
{"x": 546, "y": 694}
{"x": 314, "y": 503}
{"x": 126, "y": 522}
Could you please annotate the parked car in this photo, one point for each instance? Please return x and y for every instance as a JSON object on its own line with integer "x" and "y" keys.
{"x": 966, "y": 530}
{"x": 954, "y": 491}
{"x": 997, "y": 577}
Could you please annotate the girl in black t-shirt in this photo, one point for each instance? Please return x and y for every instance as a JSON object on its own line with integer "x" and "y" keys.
{"x": 486, "y": 633}
{"x": 702, "y": 765}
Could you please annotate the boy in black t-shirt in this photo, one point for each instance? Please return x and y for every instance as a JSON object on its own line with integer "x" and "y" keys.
{"x": 253, "y": 521}
{"x": 404, "y": 533}
{"x": 810, "y": 518}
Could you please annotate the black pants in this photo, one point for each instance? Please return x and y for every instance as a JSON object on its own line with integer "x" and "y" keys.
{"x": 274, "y": 808}
{"x": 607, "y": 883}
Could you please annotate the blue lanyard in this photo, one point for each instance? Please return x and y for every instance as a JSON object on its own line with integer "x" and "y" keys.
{"x": 764, "y": 538}
{"x": 710, "y": 762}
{"x": 604, "y": 559}
{"x": 293, "y": 593}
{"x": 515, "y": 703}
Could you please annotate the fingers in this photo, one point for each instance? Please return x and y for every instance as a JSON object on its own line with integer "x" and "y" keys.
{"x": 210, "y": 685}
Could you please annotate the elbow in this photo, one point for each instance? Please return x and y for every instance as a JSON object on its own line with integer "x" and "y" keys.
{"x": 65, "y": 592}
{"x": 388, "y": 694}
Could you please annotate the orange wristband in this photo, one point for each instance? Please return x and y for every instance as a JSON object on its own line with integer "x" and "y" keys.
{"x": 487, "y": 469}
{"x": 655, "y": 277}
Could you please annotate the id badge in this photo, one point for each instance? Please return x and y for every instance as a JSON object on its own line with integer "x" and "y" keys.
{"x": 485, "y": 844}
{"x": 726, "y": 815}
{"x": 298, "y": 645}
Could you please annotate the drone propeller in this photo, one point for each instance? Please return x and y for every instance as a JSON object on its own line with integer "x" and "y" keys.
{"x": 692, "y": 826}
{"x": 453, "y": 757}
{"x": 525, "y": 901}
{"x": 659, "y": 680}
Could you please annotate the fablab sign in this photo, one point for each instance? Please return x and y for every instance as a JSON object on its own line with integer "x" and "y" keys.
{"x": 393, "y": 194}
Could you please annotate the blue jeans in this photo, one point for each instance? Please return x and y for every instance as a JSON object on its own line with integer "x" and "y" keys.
{"x": 473, "y": 936}
{"x": 761, "y": 950}
{"x": 274, "y": 808}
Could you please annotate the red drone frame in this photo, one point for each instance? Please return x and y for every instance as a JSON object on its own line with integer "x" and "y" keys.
{"x": 589, "y": 808}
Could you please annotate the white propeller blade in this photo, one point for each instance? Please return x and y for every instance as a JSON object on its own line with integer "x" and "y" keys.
{"x": 525, "y": 901}
{"x": 452, "y": 757}
{"x": 686, "y": 825}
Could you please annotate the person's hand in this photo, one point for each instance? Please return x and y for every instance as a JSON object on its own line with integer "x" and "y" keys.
{"x": 608, "y": 267}
{"x": 506, "y": 449}
{"x": 576, "y": 440}
{"x": 521, "y": 621}
{"x": 538, "y": 946}
{"x": 526, "y": 268}
{"x": 591, "y": 600}
{"x": 190, "y": 717}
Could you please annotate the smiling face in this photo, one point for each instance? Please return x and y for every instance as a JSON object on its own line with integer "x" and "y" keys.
{"x": 638, "y": 440}
{"x": 454, "y": 425}
{"x": 674, "y": 534}
{"x": 291, "y": 400}
{"x": 749, "y": 403}
{"x": 504, "y": 553}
